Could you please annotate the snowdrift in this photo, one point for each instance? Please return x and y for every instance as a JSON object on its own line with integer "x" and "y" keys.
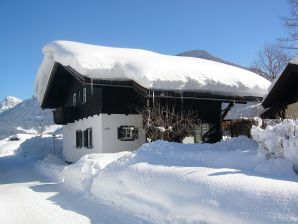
{"x": 40, "y": 146}
{"x": 164, "y": 182}
{"x": 149, "y": 69}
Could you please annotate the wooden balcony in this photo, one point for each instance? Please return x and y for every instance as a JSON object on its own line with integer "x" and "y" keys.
{"x": 64, "y": 115}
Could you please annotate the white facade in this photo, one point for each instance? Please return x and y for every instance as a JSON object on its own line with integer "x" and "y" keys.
{"x": 104, "y": 135}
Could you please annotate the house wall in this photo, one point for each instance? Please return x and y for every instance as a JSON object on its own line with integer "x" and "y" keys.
{"x": 70, "y": 152}
{"x": 104, "y": 135}
{"x": 110, "y": 124}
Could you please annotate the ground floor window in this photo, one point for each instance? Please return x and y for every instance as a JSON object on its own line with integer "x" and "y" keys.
{"x": 84, "y": 138}
{"x": 127, "y": 133}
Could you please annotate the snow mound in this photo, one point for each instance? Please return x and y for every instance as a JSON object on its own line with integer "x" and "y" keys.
{"x": 9, "y": 145}
{"x": 167, "y": 182}
{"x": 40, "y": 146}
{"x": 150, "y": 70}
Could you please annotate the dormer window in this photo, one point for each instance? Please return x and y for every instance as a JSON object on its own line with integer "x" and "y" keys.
{"x": 74, "y": 100}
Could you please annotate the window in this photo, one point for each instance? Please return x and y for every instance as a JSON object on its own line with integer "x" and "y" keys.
{"x": 74, "y": 100}
{"x": 84, "y": 95}
{"x": 79, "y": 139}
{"x": 127, "y": 133}
{"x": 84, "y": 138}
{"x": 88, "y": 138}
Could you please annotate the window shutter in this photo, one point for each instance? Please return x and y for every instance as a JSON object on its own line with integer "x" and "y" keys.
{"x": 78, "y": 138}
{"x": 86, "y": 138}
{"x": 90, "y": 143}
{"x": 135, "y": 133}
{"x": 120, "y": 132}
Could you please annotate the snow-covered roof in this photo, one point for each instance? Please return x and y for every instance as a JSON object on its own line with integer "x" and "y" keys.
{"x": 149, "y": 69}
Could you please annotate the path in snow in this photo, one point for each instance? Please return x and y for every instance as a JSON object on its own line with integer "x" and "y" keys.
{"x": 27, "y": 197}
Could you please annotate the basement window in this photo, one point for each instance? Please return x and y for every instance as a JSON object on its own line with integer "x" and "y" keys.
{"x": 88, "y": 138}
{"x": 128, "y": 133}
{"x": 79, "y": 139}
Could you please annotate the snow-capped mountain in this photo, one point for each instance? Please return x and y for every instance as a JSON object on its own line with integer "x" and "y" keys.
{"x": 25, "y": 117}
{"x": 9, "y": 102}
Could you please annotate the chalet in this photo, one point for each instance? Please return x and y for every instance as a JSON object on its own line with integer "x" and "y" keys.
{"x": 281, "y": 101}
{"x": 96, "y": 91}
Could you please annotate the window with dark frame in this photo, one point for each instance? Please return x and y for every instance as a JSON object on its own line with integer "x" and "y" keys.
{"x": 84, "y": 138}
{"x": 128, "y": 133}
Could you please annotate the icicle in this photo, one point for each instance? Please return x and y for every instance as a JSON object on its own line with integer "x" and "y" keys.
{"x": 153, "y": 97}
{"x": 91, "y": 86}
{"x": 181, "y": 105}
{"x": 148, "y": 110}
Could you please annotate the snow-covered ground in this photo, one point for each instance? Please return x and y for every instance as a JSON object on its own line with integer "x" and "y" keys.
{"x": 161, "y": 182}
{"x": 27, "y": 197}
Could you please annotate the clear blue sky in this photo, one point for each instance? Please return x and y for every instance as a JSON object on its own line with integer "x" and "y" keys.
{"x": 231, "y": 29}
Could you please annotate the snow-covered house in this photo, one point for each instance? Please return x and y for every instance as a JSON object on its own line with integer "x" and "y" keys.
{"x": 281, "y": 101}
{"x": 96, "y": 91}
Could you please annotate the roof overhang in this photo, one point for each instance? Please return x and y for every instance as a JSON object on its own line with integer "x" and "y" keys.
{"x": 285, "y": 89}
{"x": 62, "y": 77}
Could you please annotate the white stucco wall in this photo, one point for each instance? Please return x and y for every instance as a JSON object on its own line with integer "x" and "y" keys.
{"x": 110, "y": 123}
{"x": 70, "y": 152}
{"x": 105, "y": 135}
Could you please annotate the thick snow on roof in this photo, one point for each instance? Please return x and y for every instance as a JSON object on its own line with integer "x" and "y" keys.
{"x": 150, "y": 70}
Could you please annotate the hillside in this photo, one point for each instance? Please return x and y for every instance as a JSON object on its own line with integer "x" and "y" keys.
{"x": 25, "y": 117}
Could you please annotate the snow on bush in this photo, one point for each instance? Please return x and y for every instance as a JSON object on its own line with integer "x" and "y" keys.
{"x": 278, "y": 141}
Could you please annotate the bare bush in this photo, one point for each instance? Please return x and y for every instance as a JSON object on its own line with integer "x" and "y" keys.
{"x": 168, "y": 122}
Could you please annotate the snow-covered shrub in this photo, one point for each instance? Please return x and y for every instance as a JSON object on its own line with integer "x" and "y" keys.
{"x": 279, "y": 140}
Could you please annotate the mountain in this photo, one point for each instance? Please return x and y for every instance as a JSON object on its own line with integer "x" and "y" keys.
{"x": 25, "y": 117}
{"x": 8, "y": 103}
{"x": 206, "y": 55}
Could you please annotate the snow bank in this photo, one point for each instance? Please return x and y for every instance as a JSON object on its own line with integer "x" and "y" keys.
{"x": 9, "y": 145}
{"x": 278, "y": 141}
{"x": 38, "y": 146}
{"x": 150, "y": 70}
{"x": 167, "y": 182}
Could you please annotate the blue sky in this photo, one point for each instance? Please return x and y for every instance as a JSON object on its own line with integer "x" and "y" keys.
{"x": 230, "y": 29}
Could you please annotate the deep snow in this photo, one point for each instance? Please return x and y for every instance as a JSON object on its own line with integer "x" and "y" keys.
{"x": 27, "y": 197}
{"x": 163, "y": 182}
{"x": 149, "y": 69}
